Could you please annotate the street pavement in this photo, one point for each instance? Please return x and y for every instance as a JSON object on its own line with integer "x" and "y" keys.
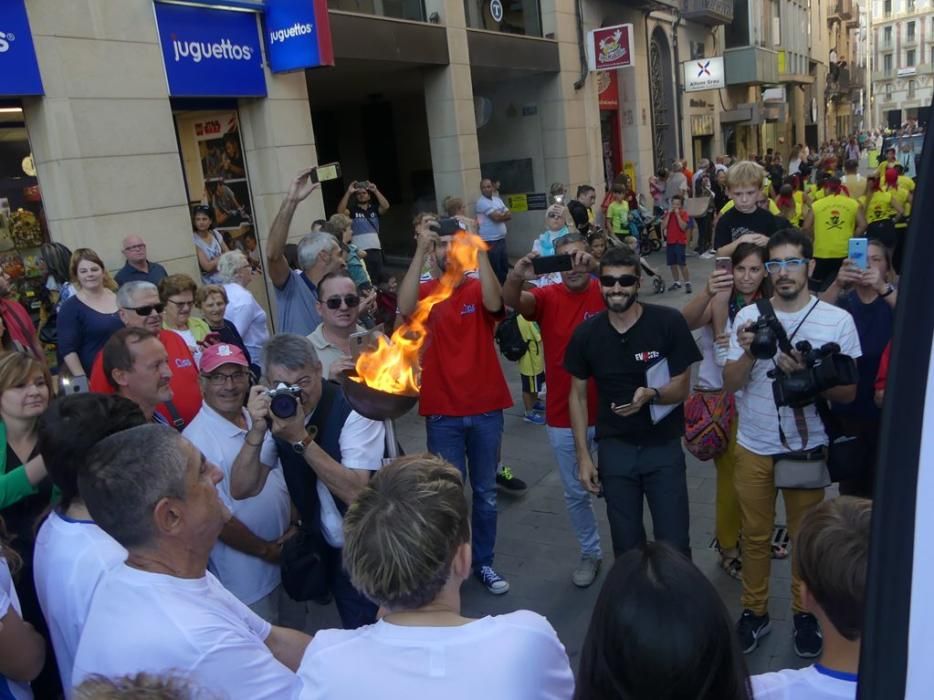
{"x": 536, "y": 550}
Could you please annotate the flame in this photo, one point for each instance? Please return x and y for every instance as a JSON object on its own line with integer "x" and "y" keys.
{"x": 394, "y": 367}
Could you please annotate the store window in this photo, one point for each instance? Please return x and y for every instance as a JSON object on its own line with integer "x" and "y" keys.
{"x": 23, "y": 228}
{"x": 507, "y": 16}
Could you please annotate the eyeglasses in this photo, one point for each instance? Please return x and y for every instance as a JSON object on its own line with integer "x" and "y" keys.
{"x": 622, "y": 280}
{"x": 792, "y": 265}
{"x": 219, "y": 378}
{"x": 334, "y": 303}
{"x": 148, "y": 309}
{"x": 138, "y": 246}
{"x": 182, "y": 304}
{"x": 555, "y": 215}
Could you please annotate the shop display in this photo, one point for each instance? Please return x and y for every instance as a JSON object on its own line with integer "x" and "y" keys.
{"x": 26, "y": 231}
{"x": 6, "y": 235}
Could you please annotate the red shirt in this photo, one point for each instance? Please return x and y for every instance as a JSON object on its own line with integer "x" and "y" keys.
{"x": 461, "y": 374}
{"x": 675, "y": 235}
{"x": 559, "y": 311}
{"x": 883, "y": 375}
{"x": 18, "y": 324}
{"x": 186, "y": 392}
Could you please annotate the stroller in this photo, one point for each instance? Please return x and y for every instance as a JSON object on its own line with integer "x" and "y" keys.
{"x": 645, "y": 227}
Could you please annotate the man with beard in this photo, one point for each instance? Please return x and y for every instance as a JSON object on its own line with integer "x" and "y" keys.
{"x": 766, "y": 431}
{"x": 640, "y": 356}
{"x": 559, "y": 309}
{"x": 464, "y": 391}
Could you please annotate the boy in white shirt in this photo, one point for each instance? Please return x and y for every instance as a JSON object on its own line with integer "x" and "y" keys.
{"x": 832, "y": 553}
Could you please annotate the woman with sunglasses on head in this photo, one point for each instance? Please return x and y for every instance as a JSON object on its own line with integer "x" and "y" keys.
{"x": 710, "y": 412}
{"x": 88, "y": 319}
{"x": 242, "y": 308}
{"x": 177, "y": 292}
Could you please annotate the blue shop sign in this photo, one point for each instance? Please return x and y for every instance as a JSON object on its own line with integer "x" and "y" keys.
{"x": 19, "y": 70}
{"x": 298, "y": 35}
{"x": 209, "y": 52}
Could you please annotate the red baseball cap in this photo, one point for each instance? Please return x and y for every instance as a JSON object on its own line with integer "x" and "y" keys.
{"x": 222, "y": 354}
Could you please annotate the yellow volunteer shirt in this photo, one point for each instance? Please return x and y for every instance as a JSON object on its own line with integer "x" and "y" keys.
{"x": 901, "y": 195}
{"x": 878, "y": 207}
{"x": 834, "y": 224}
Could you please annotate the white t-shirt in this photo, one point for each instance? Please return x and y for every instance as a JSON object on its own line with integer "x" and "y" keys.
{"x": 155, "y": 623}
{"x": 488, "y": 229}
{"x": 809, "y": 683}
{"x": 71, "y": 556}
{"x": 507, "y": 657}
{"x": 755, "y": 404}
{"x": 9, "y": 599}
{"x": 266, "y": 514}
{"x": 362, "y": 443}
{"x": 248, "y": 316}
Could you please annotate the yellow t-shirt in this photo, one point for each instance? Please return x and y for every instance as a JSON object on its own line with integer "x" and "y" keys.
{"x": 834, "y": 224}
{"x": 878, "y": 207}
{"x": 906, "y": 183}
{"x": 901, "y": 195}
{"x": 532, "y": 363}
{"x": 773, "y": 207}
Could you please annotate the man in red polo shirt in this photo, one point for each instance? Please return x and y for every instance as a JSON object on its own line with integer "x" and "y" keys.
{"x": 559, "y": 309}
{"x": 140, "y": 308}
{"x": 464, "y": 391}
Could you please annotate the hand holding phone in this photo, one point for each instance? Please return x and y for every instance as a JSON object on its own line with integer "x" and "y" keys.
{"x": 547, "y": 264}
{"x": 325, "y": 173}
{"x": 858, "y": 252}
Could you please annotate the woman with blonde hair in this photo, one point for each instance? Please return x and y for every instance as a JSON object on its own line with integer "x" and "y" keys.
{"x": 407, "y": 548}
{"x": 88, "y": 319}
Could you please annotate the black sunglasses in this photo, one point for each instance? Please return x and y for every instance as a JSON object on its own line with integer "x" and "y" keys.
{"x": 334, "y": 303}
{"x": 146, "y": 310}
{"x": 622, "y": 280}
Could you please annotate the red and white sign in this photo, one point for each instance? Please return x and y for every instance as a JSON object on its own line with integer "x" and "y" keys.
{"x": 610, "y": 48}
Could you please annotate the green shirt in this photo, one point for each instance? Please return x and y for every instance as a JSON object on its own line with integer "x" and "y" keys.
{"x": 618, "y": 215}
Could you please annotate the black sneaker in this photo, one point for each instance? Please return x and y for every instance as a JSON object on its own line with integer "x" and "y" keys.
{"x": 508, "y": 481}
{"x": 751, "y": 628}
{"x": 809, "y": 642}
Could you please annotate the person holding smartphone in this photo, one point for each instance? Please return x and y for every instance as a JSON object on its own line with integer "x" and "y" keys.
{"x": 870, "y": 297}
{"x": 365, "y": 204}
{"x": 640, "y": 356}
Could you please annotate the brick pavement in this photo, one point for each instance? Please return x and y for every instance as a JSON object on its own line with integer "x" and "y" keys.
{"x": 536, "y": 549}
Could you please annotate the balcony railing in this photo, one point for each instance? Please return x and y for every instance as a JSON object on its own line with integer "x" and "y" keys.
{"x": 841, "y": 9}
{"x": 710, "y": 12}
{"x": 838, "y": 84}
{"x": 750, "y": 65}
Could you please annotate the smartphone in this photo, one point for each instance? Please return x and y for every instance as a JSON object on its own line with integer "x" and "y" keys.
{"x": 73, "y": 385}
{"x": 361, "y": 184}
{"x": 859, "y": 252}
{"x": 552, "y": 263}
{"x": 446, "y": 226}
{"x": 365, "y": 341}
{"x": 725, "y": 264}
{"x": 559, "y": 199}
{"x": 326, "y": 172}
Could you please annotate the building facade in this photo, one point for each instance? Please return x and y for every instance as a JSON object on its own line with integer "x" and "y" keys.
{"x": 845, "y": 95}
{"x": 902, "y": 50}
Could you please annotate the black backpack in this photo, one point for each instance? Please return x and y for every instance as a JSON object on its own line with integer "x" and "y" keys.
{"x": 511, "y": 343}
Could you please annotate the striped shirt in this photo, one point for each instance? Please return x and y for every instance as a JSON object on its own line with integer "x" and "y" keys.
{"x": 758, "y": 416}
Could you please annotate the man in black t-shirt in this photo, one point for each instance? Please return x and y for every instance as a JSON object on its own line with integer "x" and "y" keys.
{"x": 640, "y": 356}
{"x": 580, "y": 208}
{"x": 746, "y": 222}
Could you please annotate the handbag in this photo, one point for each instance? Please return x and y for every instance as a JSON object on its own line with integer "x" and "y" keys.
{"x": 304, "y": 566}
{"x": 802, "y": 470}
{"x": 708, "y": 423}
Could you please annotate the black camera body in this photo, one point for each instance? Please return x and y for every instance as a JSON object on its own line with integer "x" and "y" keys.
{"x": 284, "y": 400}
{"x": 824, "y": 369}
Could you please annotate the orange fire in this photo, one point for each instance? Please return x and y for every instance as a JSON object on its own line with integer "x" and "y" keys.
{"x": 394, "y": 367}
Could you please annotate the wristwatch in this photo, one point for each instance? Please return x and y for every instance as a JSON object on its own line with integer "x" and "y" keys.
{"x": 887, "y": 292}
{"x": 302, "y": 444}
{"x": 658, "y": 395}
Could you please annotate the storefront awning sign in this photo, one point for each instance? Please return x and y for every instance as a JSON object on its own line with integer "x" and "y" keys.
{"x": 210, "y": 52}
{"x": 704, "y": 74}
{"x": 609, "y": 48}
{"x": 298, "y": 35}
{"x": 19, "y": 70}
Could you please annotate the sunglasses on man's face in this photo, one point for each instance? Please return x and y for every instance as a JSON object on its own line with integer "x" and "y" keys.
{"x": 622, "y": 280}
{"x": 334, "y": 303}
{"x": 148, "y": 309}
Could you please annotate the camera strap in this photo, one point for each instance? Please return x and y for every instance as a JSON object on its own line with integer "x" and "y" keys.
{"x": 765, "y": 307}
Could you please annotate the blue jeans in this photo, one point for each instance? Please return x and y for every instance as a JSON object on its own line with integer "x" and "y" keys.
{"x": 576, "y": 497}
{"x": 630, "y": 472}
{"x": 473, "y": 440}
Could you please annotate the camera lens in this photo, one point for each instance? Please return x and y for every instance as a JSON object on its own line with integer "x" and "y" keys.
{"x": 283, "y": 406}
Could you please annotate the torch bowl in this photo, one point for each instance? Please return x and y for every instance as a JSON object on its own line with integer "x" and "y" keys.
{"x": 373, "y": 403}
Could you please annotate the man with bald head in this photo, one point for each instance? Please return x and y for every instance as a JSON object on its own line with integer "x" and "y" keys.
{"x": 138, "y": 268}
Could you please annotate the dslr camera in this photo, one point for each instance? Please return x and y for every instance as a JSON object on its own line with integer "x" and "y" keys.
{"x": 284, "y": 400}
{"x": 824, "y": 368}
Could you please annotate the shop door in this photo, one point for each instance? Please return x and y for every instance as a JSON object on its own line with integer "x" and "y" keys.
{"x": 216, "y": 174}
